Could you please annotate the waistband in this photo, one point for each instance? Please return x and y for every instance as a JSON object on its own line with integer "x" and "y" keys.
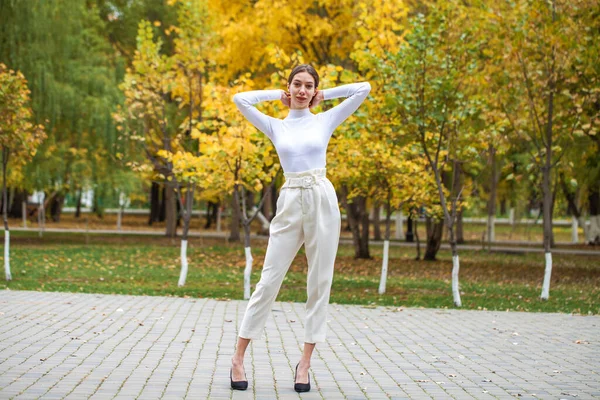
{"x": 304, "y": 179}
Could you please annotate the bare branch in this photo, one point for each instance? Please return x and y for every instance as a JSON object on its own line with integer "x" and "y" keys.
{"x": 531, "y": 97}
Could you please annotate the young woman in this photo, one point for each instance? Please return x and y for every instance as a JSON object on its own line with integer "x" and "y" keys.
{"x": 307, "y": 207}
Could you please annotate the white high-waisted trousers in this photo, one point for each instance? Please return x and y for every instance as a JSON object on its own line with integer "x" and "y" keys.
{"x": 307, "y": 212}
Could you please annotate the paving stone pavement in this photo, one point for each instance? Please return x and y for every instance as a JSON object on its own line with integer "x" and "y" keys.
{"x": 80, "y": 346}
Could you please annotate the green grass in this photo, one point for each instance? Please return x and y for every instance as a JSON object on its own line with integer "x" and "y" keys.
{"x": 150, "y": 266}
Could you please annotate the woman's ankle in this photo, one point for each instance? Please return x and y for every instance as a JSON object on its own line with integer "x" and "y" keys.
{"x": 237, "y": 361}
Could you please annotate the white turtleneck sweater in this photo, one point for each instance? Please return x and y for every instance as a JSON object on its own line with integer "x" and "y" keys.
{"x": 301, "y": 138}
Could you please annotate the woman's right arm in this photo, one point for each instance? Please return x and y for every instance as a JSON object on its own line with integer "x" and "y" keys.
{"x": 245, "y": 102}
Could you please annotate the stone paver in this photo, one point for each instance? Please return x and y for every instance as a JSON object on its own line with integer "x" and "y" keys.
{"x": 80, "y": 346}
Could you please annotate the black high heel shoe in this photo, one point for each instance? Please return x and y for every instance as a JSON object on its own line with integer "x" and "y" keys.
{"x": 237, "y": 385}
{"x": 301, "y": 387}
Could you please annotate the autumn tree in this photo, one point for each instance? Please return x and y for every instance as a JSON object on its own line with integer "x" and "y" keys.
{"x": 240, "y": 159}
{"x": 542, "y": 46}
{"x": 72, "y": 72}
{"x": 19, "y": 137}
{"x": 427, "y": 92}
{"x": 164, "y": 103}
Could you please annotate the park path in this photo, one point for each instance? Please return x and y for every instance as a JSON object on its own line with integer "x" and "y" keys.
{"x": 80, "y": 346}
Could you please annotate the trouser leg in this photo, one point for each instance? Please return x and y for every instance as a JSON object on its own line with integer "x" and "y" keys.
{"x": 286, "y": 237}
{"x": 322, "y": 232}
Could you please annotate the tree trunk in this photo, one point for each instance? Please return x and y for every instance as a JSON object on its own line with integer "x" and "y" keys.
{"x": 376, "y": 223}
{"x": 364, "y": 216}
{"x": 162, "y": 208}
{"x": 418, "y": 240}
{"x": 457, "y": 188}
{"x": 386, "y": 248}
{"x": 98, "y": 204}
{"x": 211, "y": 213}
{"x": 234, "y": 228}
{"x": 358, "y": 218}
{"x": 409, "y": 228}
{"x": 503, "y": 206}
{"x": 460, "y": 235}
{"x": 492, "y": 200}
{"x": 7, "y": 274}
{"x": 435, "y": 230}
{"x": 594, "y": 207}
{"x": 186, "y": 210}
{"x": 15, "y": 209}
{"x": 552, "y": 203}
{"x": 455, "y": 269}
{"x": 154, "y": 203}
{"x": 41, "y": 214}
{"x": 266, "y": 208}
{"x": 546, "y": 185}
{"x": 78, "y": 205}
{"x": 171, "y": 212}
{"x": 56, "y": 206}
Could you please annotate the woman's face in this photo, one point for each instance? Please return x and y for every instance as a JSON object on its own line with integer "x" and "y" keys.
{"x": 302, "y": 90}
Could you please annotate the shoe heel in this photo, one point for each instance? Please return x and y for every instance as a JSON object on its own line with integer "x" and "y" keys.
{"x": 301, "y": 387}
{"x": 237, "y": 385}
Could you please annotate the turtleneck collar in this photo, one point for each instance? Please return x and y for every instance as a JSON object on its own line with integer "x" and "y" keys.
{"x": 294, "y": 114}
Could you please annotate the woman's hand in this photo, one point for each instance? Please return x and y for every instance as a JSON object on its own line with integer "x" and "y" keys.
{"x": 285, "y": 98}
{"x": 317, "y": 98}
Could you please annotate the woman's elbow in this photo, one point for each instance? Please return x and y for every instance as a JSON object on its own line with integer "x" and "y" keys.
{"x": 366, "y": 87}
{"x": 238, "y": 99}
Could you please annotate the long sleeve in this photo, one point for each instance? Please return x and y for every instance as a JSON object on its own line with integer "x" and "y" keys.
{"x": 355, "y": 94}
{"x": 245, "y": 102}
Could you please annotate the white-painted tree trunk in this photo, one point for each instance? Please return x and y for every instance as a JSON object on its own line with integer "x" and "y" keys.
{"x": 399, "y": 225}
{"x": 24, "y": 212}
{"x": 247, "y": 272}
{"x": 455, "y": 288}
{"x": 547, "y": 275}
{"x": 574, "y": 232}
{"x": 384, "y": 266}
{"x": 184, "y": 264}
{"x": 511, "y": 216}
{"x": 594, "y": 230}
{"x": 7, "y": 255}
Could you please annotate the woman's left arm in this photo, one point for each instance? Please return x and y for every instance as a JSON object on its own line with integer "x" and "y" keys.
{"x": 355, "y": 94}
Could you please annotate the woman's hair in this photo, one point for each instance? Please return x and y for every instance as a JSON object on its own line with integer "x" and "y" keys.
{"x": 304, "y": 68}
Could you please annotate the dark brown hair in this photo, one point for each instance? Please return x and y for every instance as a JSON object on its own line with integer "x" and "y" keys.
{"x": 304, "y": 68}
